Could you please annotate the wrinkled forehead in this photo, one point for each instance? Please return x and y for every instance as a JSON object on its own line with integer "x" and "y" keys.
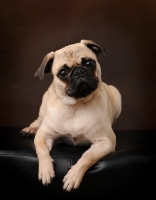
{"x": 72, "y": 55}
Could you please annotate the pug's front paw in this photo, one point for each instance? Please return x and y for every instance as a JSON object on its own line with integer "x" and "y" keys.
{"x": 72, "y": 179}
{"x": 46, "y": 171}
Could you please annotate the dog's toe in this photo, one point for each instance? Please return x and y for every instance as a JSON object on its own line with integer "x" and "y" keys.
{"x": 46, "y": 178}
{"x": 28, "y": 132}
{"x": 72, "y": 180}
{"x": 70, "y": 186}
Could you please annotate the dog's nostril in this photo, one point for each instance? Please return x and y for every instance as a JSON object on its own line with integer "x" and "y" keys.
{"x": 77, "y": 74}
{"x": 82, "y": 72}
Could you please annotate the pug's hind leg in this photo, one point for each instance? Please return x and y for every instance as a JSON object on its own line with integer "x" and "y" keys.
{"x": 43, "y": 146}
{"x": 32, "y": 129}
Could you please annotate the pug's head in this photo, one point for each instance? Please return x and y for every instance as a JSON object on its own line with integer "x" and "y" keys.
{"x": 75, "y": 69}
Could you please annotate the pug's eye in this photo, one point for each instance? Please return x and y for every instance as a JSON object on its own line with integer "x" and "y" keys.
{"x": 63, "y": 73}
{"x": 91, "y": 64}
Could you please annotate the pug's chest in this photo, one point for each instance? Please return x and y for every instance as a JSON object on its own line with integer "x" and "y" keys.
{"x": 74, "y": 129}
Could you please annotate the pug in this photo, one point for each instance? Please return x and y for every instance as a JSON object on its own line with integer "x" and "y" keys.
{"x": 78, "y": 108}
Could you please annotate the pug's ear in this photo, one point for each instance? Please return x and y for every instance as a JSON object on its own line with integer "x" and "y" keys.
{"x": 45, "y": 66}
{"x": 95, "y": 47}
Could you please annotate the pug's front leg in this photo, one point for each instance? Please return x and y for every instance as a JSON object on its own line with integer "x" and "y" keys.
{"x": 97, "y": 151}
{"x": 43, "y": 146}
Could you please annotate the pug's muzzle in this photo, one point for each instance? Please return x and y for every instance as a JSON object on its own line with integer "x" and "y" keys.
{"x": 81, "y": 83}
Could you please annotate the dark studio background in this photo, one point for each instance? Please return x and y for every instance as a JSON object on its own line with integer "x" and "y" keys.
{"x": 29, "y": 29}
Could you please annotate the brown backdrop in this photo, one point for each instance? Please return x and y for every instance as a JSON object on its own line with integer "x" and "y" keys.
{"x": 31, "y": 28}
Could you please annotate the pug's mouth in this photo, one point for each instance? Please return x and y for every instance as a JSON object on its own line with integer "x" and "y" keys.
{"x": 81, "y": 90}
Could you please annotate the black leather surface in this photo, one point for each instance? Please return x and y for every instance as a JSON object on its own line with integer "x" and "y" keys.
{"x": 129, "y": 172}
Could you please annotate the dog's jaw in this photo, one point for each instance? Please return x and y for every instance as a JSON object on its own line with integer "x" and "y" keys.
{"x": 83, "y": 90}
{"x": 68, "y": 100}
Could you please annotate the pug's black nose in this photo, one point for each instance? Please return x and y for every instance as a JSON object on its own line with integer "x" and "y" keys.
{"x": 79, "y": 72}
